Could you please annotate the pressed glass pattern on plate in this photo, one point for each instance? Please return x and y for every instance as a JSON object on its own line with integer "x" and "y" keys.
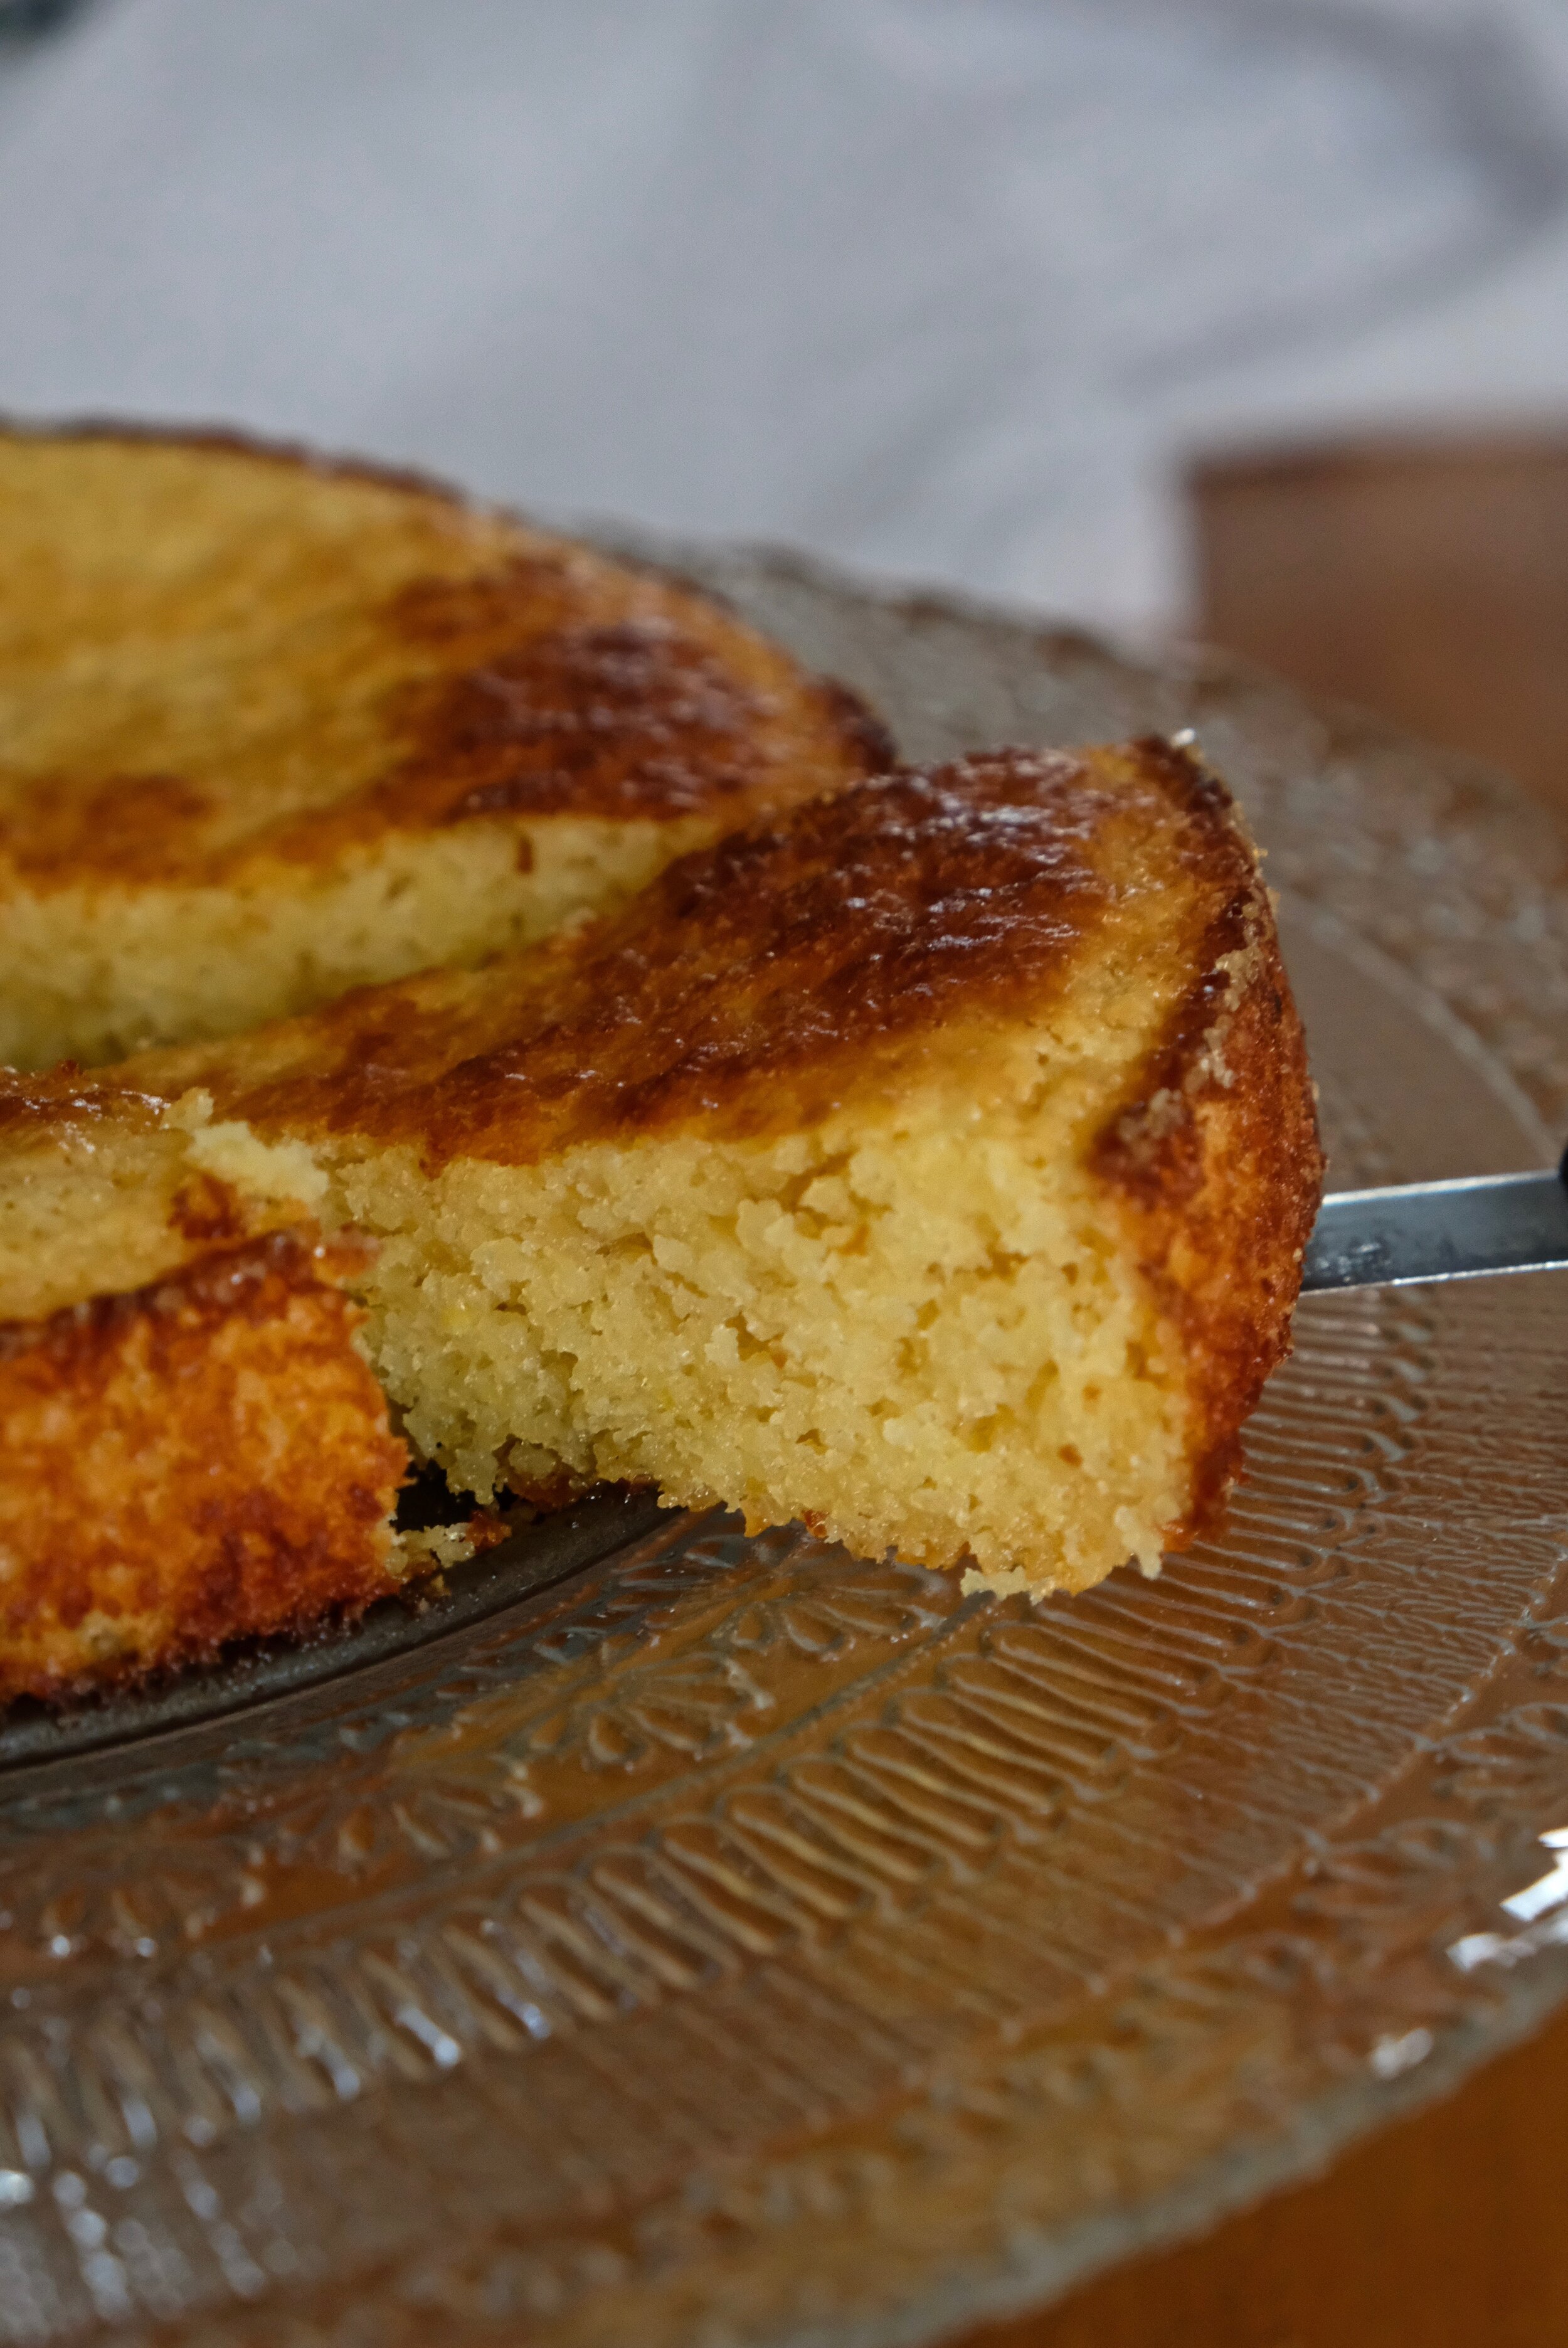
{"x": 692, "y": 1939}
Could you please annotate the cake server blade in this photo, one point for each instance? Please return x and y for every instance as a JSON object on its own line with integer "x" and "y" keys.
{"x": 1439, "y": 1230}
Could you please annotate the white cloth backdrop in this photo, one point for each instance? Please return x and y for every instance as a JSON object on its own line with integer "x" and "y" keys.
{"x": 941, "y": 287}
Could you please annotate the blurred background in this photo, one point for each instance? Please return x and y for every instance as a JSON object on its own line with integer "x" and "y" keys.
{"x": 1246, "y": 318}
{"x": 954, "y": 289}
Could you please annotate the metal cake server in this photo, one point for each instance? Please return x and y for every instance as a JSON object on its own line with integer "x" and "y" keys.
{"x": 1440, "y": 1231}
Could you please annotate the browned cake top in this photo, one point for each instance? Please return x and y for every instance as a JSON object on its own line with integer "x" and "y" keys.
{"x": 211, "y": 651}
{"x": 757, "y": 983}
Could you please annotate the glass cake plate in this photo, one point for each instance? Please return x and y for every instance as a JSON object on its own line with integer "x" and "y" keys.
{"x": 675, "y": 1938}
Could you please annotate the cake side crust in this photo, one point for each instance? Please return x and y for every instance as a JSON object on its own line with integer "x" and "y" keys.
{"x": 204, "y": 1459}
{"x": 1215, "y": 1164}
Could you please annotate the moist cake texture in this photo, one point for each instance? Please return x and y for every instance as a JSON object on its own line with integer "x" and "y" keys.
{"x": 934, "y": 1163}
{"x": 272, "y": 727}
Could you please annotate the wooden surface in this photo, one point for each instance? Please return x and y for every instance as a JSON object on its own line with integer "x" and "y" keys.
{"x": 1445, "y": 2231}
{"x": 1431, "y": 583}
{"x": 1424, "y": 578}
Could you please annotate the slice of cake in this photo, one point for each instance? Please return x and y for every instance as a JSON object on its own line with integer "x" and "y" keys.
{"x": 272, "y": 727}
{"x": 935, "y": 1165}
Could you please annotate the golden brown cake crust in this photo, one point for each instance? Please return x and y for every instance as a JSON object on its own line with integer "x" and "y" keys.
{"x": 756, "y": 984}
{"x": 202, "y": 1459}
{"x": 450, "y": 665}
{"x": 46, "y": 1100}
{"x": 1217, "y": 1159}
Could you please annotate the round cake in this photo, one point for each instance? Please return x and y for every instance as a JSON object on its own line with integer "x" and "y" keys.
{"x": 272, "y": 727}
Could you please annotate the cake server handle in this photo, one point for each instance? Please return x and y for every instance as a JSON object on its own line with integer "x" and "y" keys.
{"x": 1439, "y": 1230}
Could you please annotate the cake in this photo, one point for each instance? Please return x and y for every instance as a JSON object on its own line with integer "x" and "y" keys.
{"x": 933, "y": 1162}
{"x": 272, "y": 727}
